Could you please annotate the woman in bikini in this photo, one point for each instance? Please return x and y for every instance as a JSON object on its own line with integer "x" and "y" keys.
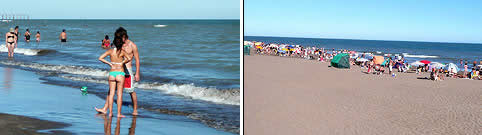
{"x": 118, "y": 57}
{"x": 10, "y": 42}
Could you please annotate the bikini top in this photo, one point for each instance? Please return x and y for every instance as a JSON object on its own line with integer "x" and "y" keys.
{"x": 11, "y": 36}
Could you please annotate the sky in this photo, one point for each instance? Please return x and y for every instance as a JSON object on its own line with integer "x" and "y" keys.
{"x": 404, "y": 20}
{"x": 125, "y": 9}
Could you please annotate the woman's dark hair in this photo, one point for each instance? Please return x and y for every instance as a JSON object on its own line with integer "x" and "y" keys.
{"x": 106, "y": 36}
{"x": 63, "y": 30}
{"x": 38, "y": 32}
{"x": 118, "y": 38}
{"x": 16, "y": 27}
{"x": 27, "y": 29}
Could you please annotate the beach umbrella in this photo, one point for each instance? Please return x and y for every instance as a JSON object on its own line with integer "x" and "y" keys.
{"x": 257, "y": 43}
{"x": 245, "y": 42}
{"x": 378, "y": 59}
{"x": 437, "y": 65}
{"x": 362, "y": 59}
{"x": 425, "y": 61}
{"x": 417, "y": 63}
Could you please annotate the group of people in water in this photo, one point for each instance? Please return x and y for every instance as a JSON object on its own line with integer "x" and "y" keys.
{"x": 121, "y": 53}
{"x": 397, "y": 62}
{"x": 11, "y": 38}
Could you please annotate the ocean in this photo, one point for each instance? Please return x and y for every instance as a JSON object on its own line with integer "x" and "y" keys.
{"x": 413, "y": 51}
{"x": 189, "y": 67}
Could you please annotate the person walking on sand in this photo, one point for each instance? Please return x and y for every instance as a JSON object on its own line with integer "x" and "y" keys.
{"x": 38, "y": 36}
{"x": 132, "y": 51}
{"x": 63, "y": 36}
{"x": 27, "y": 35}
{"x": 118, "y": 58}
{"x": 10, "y": 42}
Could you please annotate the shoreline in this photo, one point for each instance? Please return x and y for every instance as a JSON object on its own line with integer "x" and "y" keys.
{"x": 11, "y": 124}
{"x": 298, "y": 96}
{"x": 26, "y": 94}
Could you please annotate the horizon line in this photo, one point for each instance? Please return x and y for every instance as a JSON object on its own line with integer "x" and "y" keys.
{"x": 374, "y": 40}
{"x": 131, "y": 19}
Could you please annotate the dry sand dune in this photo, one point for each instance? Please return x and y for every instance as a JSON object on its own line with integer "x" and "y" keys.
{"x": 287, "y": 96}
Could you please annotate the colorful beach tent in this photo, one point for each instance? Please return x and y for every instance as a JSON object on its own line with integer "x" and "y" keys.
{"x": 453, "y": 67}
{"x": 378, "y": 59}
{"x": 341, "y": 60}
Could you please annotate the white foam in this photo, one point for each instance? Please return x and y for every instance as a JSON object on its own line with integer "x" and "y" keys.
{"x": 23, "y": 51}
{"x": 187, "y": 90}
{"x": 159, "y": 26}
{"x": 79, "y": 70}
{"x": 418, "y": 56}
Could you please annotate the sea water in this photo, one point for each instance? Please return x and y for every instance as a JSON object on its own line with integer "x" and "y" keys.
{"x": 188, "y": 67}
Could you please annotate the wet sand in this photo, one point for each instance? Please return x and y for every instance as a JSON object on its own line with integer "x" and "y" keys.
{"x": 286, "y": 96}
{"x": 21, "y": 125}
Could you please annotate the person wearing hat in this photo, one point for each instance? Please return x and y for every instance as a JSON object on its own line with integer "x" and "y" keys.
{"x": 10, "y": 41}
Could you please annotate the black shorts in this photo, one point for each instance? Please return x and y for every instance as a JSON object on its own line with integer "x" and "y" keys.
{"x": 63, "y": 40}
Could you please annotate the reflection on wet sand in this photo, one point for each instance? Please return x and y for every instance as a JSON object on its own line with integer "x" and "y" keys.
{"x": 132, "y": 129}
{"x": 108, "y": 122}
{"x": 7, "y": 81}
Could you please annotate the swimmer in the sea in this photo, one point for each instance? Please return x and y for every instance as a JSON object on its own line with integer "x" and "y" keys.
{"x": 27, "y": 35}
{"x": 106, "y": 42}
{"x": 63, "y": 36}
{"x": 38, "y": 36}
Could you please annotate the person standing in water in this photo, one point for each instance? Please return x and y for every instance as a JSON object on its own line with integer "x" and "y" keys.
{"x": 118, "y": 58}
{"x": 106, "y": 42}
{"x": 132, "y": 52}
{"x": 16, "y": 34}
{"x": 10, "y": 42}
{"x": 27, "y": 35}
{"x": 63, "y": 36}
{"x": 38, "y": 36}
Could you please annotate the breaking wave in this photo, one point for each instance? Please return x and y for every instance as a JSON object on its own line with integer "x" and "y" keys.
{"x": 418, "y": 56}
{"x": 229, "y": 96}
{"x": 25, "y": 51}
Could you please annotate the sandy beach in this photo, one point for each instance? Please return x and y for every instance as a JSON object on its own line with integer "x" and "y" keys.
{"x": 287, "y": 96}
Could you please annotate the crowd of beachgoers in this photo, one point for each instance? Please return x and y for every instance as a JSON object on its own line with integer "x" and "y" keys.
{"x": 374, "y": 64}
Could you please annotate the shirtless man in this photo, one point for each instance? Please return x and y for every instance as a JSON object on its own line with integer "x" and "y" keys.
{"x": 131, "y": 49}
{"x": 63, "y": 36}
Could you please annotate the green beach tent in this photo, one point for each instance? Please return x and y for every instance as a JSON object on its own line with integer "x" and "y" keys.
{"x": 341, "y": 60}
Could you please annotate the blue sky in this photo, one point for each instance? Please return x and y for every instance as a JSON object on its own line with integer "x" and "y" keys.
{"x": 408, "y": 20}
{"x": 125, "y": 9}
